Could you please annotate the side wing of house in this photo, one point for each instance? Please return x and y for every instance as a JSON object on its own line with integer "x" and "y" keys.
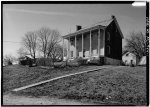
{"x": 113, "y": 44}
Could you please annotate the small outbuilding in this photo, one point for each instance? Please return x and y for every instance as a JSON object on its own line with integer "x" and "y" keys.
{"x": 142, "y": 61}
{"x": 129, "y": 58}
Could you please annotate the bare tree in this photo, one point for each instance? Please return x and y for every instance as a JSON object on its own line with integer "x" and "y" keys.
{"x": 136, "y": 44}
{"x": 30, "y": 43}
{"x": 48, "y": 38}
{"x": 57, "y": 53}
{"x": 8, "y": 59}
{"x": 22, "y": 52}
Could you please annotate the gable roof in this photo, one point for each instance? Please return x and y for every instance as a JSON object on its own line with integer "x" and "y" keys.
{"x": 116, "y": 22}
{"x": 128, "y": 53}
{"x": 102, "y": 24}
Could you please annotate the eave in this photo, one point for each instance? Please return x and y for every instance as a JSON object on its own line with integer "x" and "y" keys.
{"x": 84, "y": 30}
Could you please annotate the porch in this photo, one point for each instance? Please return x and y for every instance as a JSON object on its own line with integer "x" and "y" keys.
{"x": 86, "y": 44}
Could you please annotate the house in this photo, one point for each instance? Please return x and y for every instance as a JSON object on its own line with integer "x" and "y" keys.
{"x": 129, "y": 58}
{"x": 142, "y": 61}
{"x": 101, "y": 42}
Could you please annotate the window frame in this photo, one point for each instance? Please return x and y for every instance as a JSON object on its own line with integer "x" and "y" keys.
{"x": 108, "y": 36}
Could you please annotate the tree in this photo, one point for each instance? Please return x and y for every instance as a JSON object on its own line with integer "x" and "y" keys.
{"x": 22, "y": 52}
{"x": 48, "y": 38}
{"x": 30, "y": 43}
{"x": 8, "y": 59}
{"x": 136, "y": 44}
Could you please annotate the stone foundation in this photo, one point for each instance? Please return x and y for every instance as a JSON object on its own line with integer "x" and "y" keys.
{"x": 111, "y": 61}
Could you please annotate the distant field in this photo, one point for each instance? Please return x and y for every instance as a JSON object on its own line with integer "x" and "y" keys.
{"x": 125, "y": 85}
{"x": 17, "y": 76}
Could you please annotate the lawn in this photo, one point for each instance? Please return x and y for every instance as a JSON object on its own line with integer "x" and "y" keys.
{"x": 16, "y": 76}
{"x": 122, "y": 85}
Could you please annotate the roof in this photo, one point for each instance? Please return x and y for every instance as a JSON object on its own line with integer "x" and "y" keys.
{"x": 29, "y": 56}
{"x": 129, "y": 53}
{"x": 102, "y": 24}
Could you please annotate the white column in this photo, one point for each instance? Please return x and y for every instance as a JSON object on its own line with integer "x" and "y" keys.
{"x": 68, "y": 55}
{"x": 63, "y": 49}
{"x": 90, "y": 45}
{"x": 82, "y": 44}
{"x": 75, "y": 46}
{"x": 69, "y": 48}
{"x": 99, "y": 42}
{"x": 104, "y": 40}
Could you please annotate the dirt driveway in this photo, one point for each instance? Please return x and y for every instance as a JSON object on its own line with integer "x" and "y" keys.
{"x": 10, "y": 99}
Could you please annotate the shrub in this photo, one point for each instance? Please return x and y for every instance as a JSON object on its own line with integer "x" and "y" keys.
{"x": 81, "y": 61}
{"x": 43, "y": 62}
{"x": 23, "y": 62}
{"x": 9, "y": 63}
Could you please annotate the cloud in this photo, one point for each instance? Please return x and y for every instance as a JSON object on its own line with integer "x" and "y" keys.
{"x": 39, "y": 12}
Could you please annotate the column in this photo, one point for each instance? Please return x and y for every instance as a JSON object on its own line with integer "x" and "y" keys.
{"x": 63, "y": 49}
{"x": 99, "y": 42}
{"x": 68, "y": 53}
{"x": 69, "y": 48}
{"x": 104, "y": 40}
{"x": 90, "y": 45}
{"x": 75, "y": 46}
{"x": 82, "y": 44}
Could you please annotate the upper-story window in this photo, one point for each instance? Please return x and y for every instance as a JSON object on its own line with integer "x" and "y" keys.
{"x": 108, "y": 36}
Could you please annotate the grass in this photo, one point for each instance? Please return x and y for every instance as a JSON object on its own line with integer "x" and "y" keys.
{"x": 122, "y": 85}
{"x": 16, "y": 76}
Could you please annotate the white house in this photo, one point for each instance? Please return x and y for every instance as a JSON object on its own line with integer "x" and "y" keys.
{"x": 129, "y": 58}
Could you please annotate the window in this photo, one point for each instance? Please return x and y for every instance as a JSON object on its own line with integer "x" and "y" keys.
{"x": 127, "y": 54}
{"x": 108, "y": 50}
{"x": 108, "y": 36}
{"x": 71, "y": 53}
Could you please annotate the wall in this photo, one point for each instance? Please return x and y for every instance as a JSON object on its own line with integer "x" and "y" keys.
{"x": 115, "y": 42}
{"x": 94, "y": 41}
{"x": 102, "y": 38}
{"x": 111, "y": 61}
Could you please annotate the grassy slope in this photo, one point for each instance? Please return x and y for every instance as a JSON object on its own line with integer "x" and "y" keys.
{"x": 126, "y": 85}
{"x": 16, "y": 75}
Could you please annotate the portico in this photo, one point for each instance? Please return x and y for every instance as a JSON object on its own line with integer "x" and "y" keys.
{"x": 86, "y": 43}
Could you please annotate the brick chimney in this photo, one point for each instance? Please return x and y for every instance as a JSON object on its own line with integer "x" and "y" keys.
{"x": 78, "y": 27}
{"x": 113, "y": 17}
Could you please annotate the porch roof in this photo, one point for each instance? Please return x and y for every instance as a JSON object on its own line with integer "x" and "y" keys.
{"x": 98, "y": 25}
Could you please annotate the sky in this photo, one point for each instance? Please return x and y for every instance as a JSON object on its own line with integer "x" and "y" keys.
{"x": 18, "y": 19}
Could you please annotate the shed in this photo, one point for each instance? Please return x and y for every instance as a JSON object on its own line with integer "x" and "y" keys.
{"x": 129, "y": 58}
{"x": 142, "y": 61}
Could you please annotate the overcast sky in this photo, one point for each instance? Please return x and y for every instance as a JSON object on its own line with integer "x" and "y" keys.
{"x": 19, "y": 19}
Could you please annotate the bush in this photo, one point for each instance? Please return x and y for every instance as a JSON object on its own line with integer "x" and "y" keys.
{"x": 23, "y": 62}
{"x": 9, "y": 63}
{"x": 43, "y": 62}
{"x": 81, "y": 61}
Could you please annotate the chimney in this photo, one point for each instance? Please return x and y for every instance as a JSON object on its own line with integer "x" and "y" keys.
{"x": 113, "y": 17}
{"x": 78, "y": 27}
